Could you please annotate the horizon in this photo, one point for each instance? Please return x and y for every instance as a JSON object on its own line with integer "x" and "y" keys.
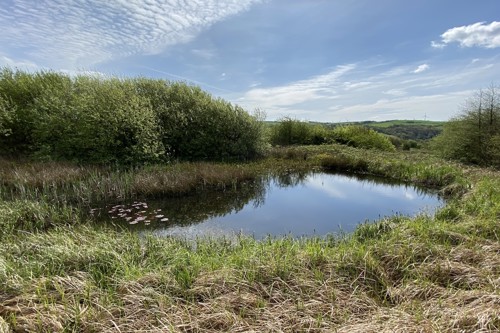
{"x": 319, "y": 61}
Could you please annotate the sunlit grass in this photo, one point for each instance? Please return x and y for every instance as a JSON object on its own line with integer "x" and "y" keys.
{"x": 60, "y": 273}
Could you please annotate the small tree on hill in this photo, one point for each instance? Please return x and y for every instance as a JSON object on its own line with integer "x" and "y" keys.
{"x": 474, "y": 135}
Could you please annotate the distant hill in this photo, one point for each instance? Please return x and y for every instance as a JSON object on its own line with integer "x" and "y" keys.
{"x": 404, "y": 129}
{"x": 408, "y": 129}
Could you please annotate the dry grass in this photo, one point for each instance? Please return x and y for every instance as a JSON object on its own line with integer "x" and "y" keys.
{"x": 425, "y": 274}
{"x": 221, "y": 302}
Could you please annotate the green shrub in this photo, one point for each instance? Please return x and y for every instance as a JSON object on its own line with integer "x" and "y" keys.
{"x": 362, "y": 137}
{"x": 195, "y": 126}
{"x": 295, "y": 132}
{"x": 85, "y": 119}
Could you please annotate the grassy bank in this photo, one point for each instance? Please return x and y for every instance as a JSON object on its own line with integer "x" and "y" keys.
{"x": 427, "y": 274}
{"x": 59, "y": 182}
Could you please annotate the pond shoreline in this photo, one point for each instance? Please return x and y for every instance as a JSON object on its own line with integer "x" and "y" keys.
{"x": 59, "y": 272}
{"x": 291, "y": 204}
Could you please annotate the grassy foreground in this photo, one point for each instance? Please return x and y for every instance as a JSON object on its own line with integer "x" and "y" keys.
{"x": 61, "y": 273}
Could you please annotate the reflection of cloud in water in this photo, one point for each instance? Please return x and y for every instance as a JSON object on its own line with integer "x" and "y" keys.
{"x": 295, "y": 203}
{"x": 202, "y": 230}
{"x": 327, "y": 186}
{"x": 410, "y": 196}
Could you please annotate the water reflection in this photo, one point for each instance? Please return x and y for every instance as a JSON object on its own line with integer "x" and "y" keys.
{"x": 295, "y": 204}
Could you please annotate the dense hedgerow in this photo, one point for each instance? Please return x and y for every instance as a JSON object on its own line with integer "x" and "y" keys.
{"x": 195, "y": 126}
{"x": 91, "y": 119}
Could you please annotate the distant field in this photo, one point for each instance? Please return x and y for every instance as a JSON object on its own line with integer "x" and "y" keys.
{"x": 408, "y": 129}
{"x": 390, "y": 123}
{"x": 380, "y": 124}
{"x": 404, "y": 129}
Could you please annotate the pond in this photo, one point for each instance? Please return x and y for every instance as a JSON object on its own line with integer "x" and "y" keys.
{"x": 295, "y": 204}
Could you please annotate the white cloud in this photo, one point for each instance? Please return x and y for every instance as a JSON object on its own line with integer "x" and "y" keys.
{"x": 395, "y": 92}
{"x": 356, "y": 85}
{"x": 75, "y": 33}
{"x": 21, "y": 64}
{"x": 363, "y": 91}
{"x": 421, "y": 68}
{"x": 438, "y": 45}
{"x": 477, "y": 34}
{"x": 412, "y": 107}
{"x": 318, "y": 87}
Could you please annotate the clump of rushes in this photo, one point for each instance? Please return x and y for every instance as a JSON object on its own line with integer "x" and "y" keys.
{"x": 64, "y": 183}
{"x": 32, "y": 216}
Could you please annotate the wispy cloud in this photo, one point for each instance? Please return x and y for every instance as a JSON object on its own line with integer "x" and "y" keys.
{"x": 21, "y": 64}
{"x": 395, "y": 92}
{"x": 437, "y": 106}
{"x": 183, "y": 78}
{"x": 364, "y": 91}
{"x": 477, "y": 34}
{"x": 74, "y": 33}
{"x": 317, "y": 87}
{"x": 421, "y": 68}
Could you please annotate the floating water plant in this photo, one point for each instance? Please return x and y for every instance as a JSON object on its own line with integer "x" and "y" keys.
{"x": 134, "y": 213}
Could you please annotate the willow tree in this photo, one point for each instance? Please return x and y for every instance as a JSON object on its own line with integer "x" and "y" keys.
{"x": 473, "y": 136}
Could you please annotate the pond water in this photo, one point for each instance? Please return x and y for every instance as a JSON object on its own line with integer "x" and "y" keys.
{"x": 293, "y": 204}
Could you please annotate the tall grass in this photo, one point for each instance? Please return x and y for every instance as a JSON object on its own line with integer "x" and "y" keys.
{"x": 66, "y": 183}
{"x": 401, "y": 274}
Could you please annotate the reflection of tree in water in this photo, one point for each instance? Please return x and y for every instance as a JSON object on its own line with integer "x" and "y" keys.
{"x": 387, "y": 182}
{"x": 292, "y": 179}
{"x": 208, "y": 204}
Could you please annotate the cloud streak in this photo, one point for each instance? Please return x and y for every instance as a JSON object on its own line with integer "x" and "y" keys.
{"x": 317, "y": 87}
{"x": 365, "y": 91}
{"x": 79, "y": 33}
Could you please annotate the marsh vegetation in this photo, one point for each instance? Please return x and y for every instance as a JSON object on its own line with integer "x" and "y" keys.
{"x": 60, "y": 271}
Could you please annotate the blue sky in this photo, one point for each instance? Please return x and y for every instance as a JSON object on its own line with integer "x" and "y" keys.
{"x": 318, "y": 60}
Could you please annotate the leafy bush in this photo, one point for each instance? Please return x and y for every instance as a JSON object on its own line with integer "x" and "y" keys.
{"x": 87, "y": 119}
{"x": 195, "y": 126}
{"x": 295, "y": 132}
{"x": 362, "y": 137}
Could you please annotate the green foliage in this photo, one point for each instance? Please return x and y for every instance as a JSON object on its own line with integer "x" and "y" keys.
{"x": 7, "y": 118}
{"x": 474, "y": 135}
{"x": 410, "y": 132}
{"x": 290, "y": 131}
{"x": 362, "y": 137}
{"x": 31, "y": 216}
{"x": 86, "y": 119}
{"x": 194, "y": 126}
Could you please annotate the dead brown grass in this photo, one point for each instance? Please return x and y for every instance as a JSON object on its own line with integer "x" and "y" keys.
{"x": 222, "y": 302}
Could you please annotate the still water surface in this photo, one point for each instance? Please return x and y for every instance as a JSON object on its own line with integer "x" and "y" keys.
{"x": 291, "y": 204}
